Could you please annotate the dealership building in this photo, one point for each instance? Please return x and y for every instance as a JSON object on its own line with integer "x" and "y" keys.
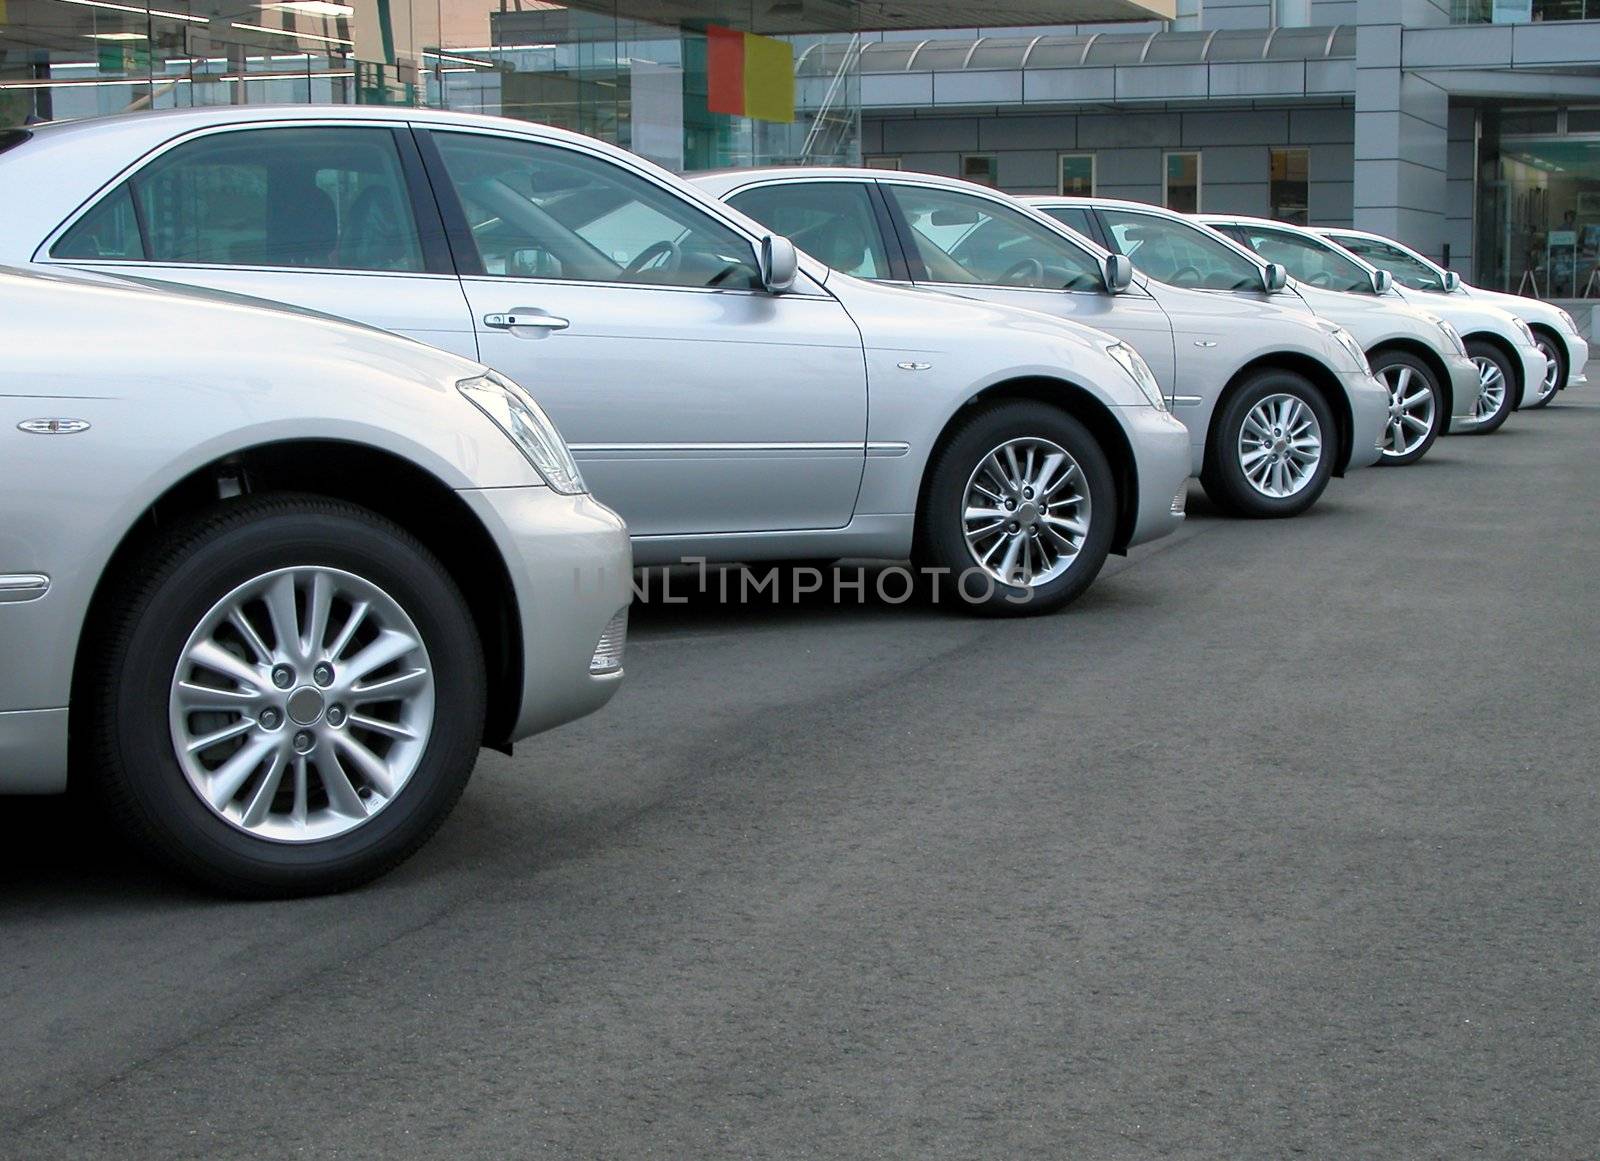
{"x": 1469, "y": 128}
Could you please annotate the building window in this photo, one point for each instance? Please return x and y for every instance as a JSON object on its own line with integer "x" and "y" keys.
{"x": 981, "y": 168}
{"x": 1077, "y": 175}
{"x": 1291, "y": 13}
{"x": 1180, "y": 182}
{"x": 880, "y": 161}
{"x": 1290, "y": 189}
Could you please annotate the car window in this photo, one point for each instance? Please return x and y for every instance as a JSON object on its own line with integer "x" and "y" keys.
{"x": 322, "y": 197}
{"x": 830, "y": 220}
{"x": 961, "y": 238}
{"x": 1179, "y": 254}
{"x": 543, "y": 211}
{"x": 1407, "y": 270}
{"x": 11, "y": 138}
{"x": 1310, "y": 261}
{"x": 1073, "y": 217}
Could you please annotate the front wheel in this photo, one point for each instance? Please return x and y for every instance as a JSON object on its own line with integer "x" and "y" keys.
{"x": 1416, "y": 407}
{"x": 1555, "y": 371}
{"x": 1496, "y": 400}
{"x": 1272, "y": 449}
{"x": 1018, "y": 511}
{"x": 289, "y": 700}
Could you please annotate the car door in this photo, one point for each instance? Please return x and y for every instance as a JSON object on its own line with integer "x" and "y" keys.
{"x": 331, "y": 217}
{"x": 972, "y": 244}
{"x": 695, "y": 401}
{"x": 948, "y": 241}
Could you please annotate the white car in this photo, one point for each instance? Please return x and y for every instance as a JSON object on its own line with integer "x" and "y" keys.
{"x": 1565, "y": 350}
{"x": 1496, "y": 340}
{"x": 1275, "y": 402}
{"x": 1396, "y": 338}
{"x": 730, "y": 401}
{"x": 269, "y": 581}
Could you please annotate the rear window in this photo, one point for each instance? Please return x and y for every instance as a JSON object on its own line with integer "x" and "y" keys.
{"x": 11, "y": 138}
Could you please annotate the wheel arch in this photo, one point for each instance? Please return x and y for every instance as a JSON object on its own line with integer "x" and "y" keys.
{"x": 1500, "y": 344}
{"x": 1078, "y": 402}
{"x": 385, "y": 483}
{"x": 1321, "y": 378}
{"x": 1557, "y": 343}
{"x": 1422, "y": 351}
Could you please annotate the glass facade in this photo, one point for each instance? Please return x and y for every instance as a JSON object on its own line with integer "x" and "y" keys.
{"x": 692, "y": 95}
{"x": 1539, "y": 201}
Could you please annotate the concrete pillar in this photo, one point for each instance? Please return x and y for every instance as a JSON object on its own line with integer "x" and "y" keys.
{"x": 1402, "y": 129}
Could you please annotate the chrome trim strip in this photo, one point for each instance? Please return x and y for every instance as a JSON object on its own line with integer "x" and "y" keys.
{"x": 1187, "y": 400}
{"x": 882, "y": 450}
{"x": 18, "y": 587}
{"x": 852, "y": 449}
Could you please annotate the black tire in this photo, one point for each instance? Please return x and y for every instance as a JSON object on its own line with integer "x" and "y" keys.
{"x": 941, "y": 540}
{"x": 1397, "y": 361}
{"x": 129, "y": 752}
{"x": 1224, "y": 476}
{"x": 1478, "y": 350}
{"x": 1554, "y": 351}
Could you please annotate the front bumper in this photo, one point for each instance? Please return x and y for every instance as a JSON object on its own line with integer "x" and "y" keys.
{"x": 1465, "y": 387}
{"x": 1577, "y": 356}
{"x": 571, "y": 568}
{"x": 1369, "y": 415}
{"x": 1161, "y": 460}
{"x": 1533, "y": 363}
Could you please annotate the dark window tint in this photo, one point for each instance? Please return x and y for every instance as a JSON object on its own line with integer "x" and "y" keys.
{"x": 109, "y": 231}
{"x": 830, "y": 220}
{"x": 1179, "y": 254}
{"x": 1310, "y": 261}
{"x": 329, "y": 198}
{"x": 11, "y": 138}
{"x": 541, "y": 211}
{"x": 961, "y": 238}
{"x": 1073, "y": 217}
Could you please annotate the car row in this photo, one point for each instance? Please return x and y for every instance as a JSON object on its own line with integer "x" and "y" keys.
{"x": 284, "y": 573}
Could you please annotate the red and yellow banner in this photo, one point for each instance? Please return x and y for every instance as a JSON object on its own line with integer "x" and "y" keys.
{"x": 749, "y": 75}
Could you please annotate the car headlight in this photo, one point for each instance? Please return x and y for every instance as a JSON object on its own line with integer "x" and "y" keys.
{"x": 527, "y": 426}
{"x": 1139, "y": 371}
{"x": 1566, "y": 320}
{"x": 1453, "y": 335}
{"x": 1525, "y": 331}
{"x": 1348, "y": 341}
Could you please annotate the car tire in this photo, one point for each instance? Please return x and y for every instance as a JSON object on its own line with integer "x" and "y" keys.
{"x": 1258, "y": 463}
{"x": 1555, "y": 372}
{"x": 1056, "y": 535}
{"x": 308, "y": 650}
{"x": 1496, "y": 380}
{"x": 1416, "y": 407}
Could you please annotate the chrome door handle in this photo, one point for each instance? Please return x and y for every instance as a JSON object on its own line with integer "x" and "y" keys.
{"x": 505, "y": 322}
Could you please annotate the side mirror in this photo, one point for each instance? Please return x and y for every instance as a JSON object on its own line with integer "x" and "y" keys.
{"x": 1274, "y": 277}
{"x": 1382, "y": 282}
{"x": 1118, "y": 273}
{"x": 780, "y": 264}
{"x": 1452, "y": 282}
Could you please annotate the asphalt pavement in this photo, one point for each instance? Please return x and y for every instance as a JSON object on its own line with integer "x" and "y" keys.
{"x": 1281, "y": 842}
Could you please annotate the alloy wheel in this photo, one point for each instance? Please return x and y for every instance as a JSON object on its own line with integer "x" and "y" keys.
{"x": 1280, "y": 445}
{"x": 1026, "y": 512}
{"x": 1411, "y": 411}
{"x": 301, "y": 704}
{"x": 1491, "y": 389}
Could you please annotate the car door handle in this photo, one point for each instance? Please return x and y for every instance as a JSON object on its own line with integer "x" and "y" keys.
{"x": 510, "y": 320}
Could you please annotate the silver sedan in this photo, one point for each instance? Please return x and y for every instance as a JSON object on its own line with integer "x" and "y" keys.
{"x": 731, "y": 401}
{"x": 282, "y": 577}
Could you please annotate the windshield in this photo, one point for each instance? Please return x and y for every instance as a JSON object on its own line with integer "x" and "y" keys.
{"x": 1311, "y": 261}
{"x": 965, "y": 239}
{"x": 1180, "y": 254}
{"x": 1407, "y": 271}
